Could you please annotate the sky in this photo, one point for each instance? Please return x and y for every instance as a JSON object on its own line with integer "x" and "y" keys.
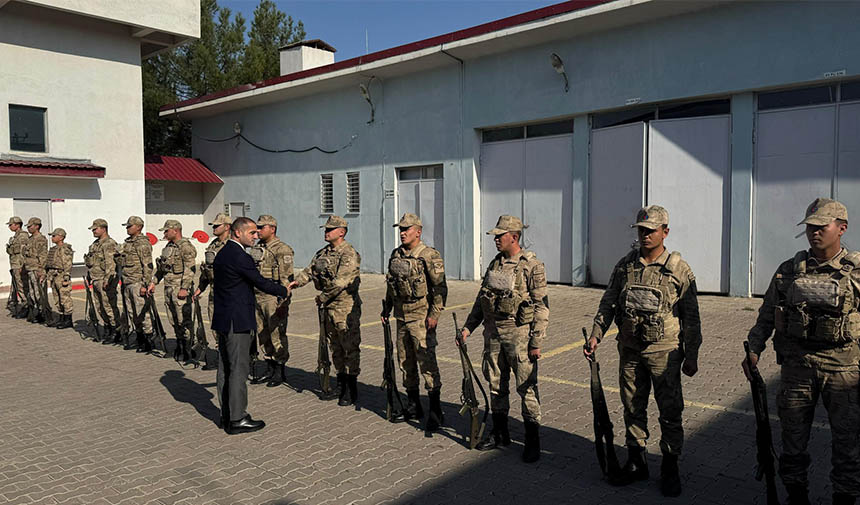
{"x": 387, "y": 23}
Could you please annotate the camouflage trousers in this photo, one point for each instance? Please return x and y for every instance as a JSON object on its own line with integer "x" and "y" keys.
{"x": 105, "y": 301}
{"x": 507, "y": 351}
{"x": 211, "y": 310}
{"x": 272, "y": 330}
{"x": 416, "y": 350}
{"x": 35, "y": 287}
{"x": 798, "y": 395}
{"x": 137, "y": 308}
{"x": 637, "y": 373}
{"x": 179, "y": 312}
{"x": 343, "y": 332}
{"x": 62, "y": 292}
{"x": 21, "y": 285}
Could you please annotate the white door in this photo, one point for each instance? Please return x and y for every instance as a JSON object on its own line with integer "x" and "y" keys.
{"x": 26, "y": 209}
{"x": 616, "y": 193}
{"x": 688, "y": 171}
{"x": 848, "y": 171}
{"x": 502, "y": 171}
{"x": 794, "y": 166}
{"x": 420, "y": 191}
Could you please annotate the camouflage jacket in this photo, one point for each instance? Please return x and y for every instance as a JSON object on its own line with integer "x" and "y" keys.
{"x": 513, "y": 294}
{"x": 678, "y": 307}
{"x": 207, "y": 271}
{"x": 60, "y": 261}
{"x": 35, "y": 253}
{"x": 100, "y": 259}
{"x": 136, "y": 260}
{"x": 15, "y": 249}
{"x": 810, "y": 354}
{"x": 275, "y": 262}
{"x": 417, "y": 288}
{"x": 177, "y": 264}
{"x": 335, "y": 273}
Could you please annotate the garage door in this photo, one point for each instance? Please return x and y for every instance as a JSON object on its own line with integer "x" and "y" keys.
{"x": 531, "y": 178}
{"x": 848, "y": 170}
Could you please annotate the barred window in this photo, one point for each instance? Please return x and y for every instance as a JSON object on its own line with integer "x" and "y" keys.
{"x": 327, "y": 193}
{"x": 353, "y": 201}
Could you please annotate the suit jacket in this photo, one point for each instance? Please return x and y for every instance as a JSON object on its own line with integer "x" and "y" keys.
{"x": 236, "y": 276}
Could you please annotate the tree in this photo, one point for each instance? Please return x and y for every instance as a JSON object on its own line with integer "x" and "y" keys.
{"x": 221, "y": 58}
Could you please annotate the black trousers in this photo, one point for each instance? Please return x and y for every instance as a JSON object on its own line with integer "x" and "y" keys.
{"x": 233, "y": 367}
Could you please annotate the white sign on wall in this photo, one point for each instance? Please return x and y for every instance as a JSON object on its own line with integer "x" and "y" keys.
{"x": 154, "y": 192}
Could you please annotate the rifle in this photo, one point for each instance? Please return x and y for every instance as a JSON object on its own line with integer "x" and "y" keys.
{"x": 13, "y": 295}
{"x": 198, "y": 349}
{"x": 323, "y": 362}
{"x": 157, "y": 327}
{"x": 602, "y": 424}
{"x": 92, "y": 317}
{"x": 467, "y": 396}
{"x": 45, "y": 304}
{"x": 124, "y": 329}
{"x": 393, "y": 413}
{"x": 763, "y": 438}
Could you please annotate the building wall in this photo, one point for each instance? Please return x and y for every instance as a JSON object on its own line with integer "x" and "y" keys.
{"x": 729, "y": 51}
{"x": 174, "y": 16}
{"x": 186, "y": 202}
{"x": 87, "y": 74}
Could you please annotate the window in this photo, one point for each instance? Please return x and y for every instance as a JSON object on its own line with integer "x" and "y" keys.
{"x": 850, "y": 91}
{"x": 622, "y": 117}
{"x": 695, "y": 109}
{"x": 27, "y": 128}
{"x": 542, "y": 130}
{"x": 517, "y": 132}
{"x": 797, "y": 97}
{"x": 326, "y": 194}
{"x": 353, "y": 202}
{"x": 428, "y": 172}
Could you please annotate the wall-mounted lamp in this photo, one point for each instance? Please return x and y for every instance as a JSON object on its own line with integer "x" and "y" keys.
{"x": 558, "y": 65}
{"x": 237, "y": 128}
{"x": 364, "y": 89}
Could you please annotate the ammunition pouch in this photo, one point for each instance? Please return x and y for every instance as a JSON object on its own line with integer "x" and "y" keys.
{"x": 498, "y": 292}
{"x": 643, "y": 317}
{"x": 256, "y": 253}
{"x": 322, "y": 271}
{"x": 209, "y": 258}
{"x": 89, "y": 261}
{"x": 406, "y": 278}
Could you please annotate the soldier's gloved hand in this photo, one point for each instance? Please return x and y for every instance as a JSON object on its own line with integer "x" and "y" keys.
{"x": 690, "y": 367}
{"x": 318, "y": 300}
{"x": 196, "y": 294}
{"x": 151, "y": 289}
{"x": 534, "y": 354}
{"x": 749, "y": 363}
{"x": 143, "y": 291}
{"x": 464, "y": 334}
{"x": 66, "y": 283}
{"x": 183, "y": 294}
{"x": 430, "y": 323}
{"x": 590, "y": 347}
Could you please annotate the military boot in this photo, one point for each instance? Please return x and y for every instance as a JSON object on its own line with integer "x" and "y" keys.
{"x": 531, "y": 448}
{"x": 413, "y": 405}
{"x": 210, "y": 359}
{"x": 143, "y": 343}
{"x": 53, "y": 320}
{"x": 107, "y": 338}
{"x": 343, "y": 390}
{"x": 635, "y": 469}
{"x": 352, "y": 385}
{"x": 499, "y": 436}
{"x": 117, "y": 335}
{"x": 131, "y": 343}
{"x": 798, "y": 494}
{"x": 435, "y": 417}
{"x": 670, "y": 481}
{"x": 266, "y": 377}
{"x": 23, "y": 312}
{"x": 65, "y": 322}
{"x": 843, "y": 499}
{"x": 278, "y": 376}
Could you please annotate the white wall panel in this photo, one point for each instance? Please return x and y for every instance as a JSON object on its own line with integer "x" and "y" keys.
{"x": 848, "y": 171}
{"x": 501, "y": 175}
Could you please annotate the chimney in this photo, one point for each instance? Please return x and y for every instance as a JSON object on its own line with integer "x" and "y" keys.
{"x": 304, "y": 55}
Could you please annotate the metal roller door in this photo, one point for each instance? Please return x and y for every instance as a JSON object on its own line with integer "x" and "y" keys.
{"x": 688, "y": 170}
{"x": 848, "y": 170}
{"x": 616, "y": 192}
{"x": 794, "y": 165}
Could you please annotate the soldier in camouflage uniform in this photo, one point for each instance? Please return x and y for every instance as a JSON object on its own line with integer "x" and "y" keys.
{"x": 136, "y": 258}
{"x": 334, "y": 271}
{"x": 59, "y": 276}
{"x": 100, "y": 260}
{"x": 417, "y": 291}
{"x": 652, "y": 299}
{"x": 811, "y": 308}
{"x": 513, "y": 307}
{"x": 177, "y": 265}
{"x": 274, "y": 260}
{"x": 16, "y": 262}
{"x": 221, "y": 231}
{"x": 35, "y": 253}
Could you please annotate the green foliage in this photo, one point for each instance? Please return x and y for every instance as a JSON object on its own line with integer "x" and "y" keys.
{"x": 223, "y": 57}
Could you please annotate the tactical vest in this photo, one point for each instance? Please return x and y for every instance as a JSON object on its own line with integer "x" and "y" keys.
{"x": 170, "y": 261}
{"x": 407, "y": 277}
{"x": 819, "y": 307}
{"x": 53, "y": 262}
{"x": 324, "y": 270}
{"x": 647, "y": 308}
{"x": 14, "y": 247}
{"x": 92, "y": 256}
{"x": 267, "y": 263}
{"x": 505, "y": 294}
{"x": 131, "y": 258}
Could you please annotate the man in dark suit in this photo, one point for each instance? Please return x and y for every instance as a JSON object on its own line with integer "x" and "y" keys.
{"x": 233, "y": 320}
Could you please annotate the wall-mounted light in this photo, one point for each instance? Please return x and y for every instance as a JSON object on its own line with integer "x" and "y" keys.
{"x": 364, "y": 89}
{"x": 558, "y": 65}
{"x": 237, "y": 128}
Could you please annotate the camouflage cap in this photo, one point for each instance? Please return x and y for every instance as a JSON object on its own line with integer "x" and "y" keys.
{"x": 34, "y": 221}
{"x": 15, "y": 220}
{"x": 171, "y": 224}
{"x": 335, "y": 222}
{"x": 507, "y": 223}
{"x": 651, "y": 217}
{"x": 408, "y": 219}
{"x": 823, "y": 211}
{"x": 220, "y": 219}
{"x": 98, "y": 223}
{"x": 58, "y": 231}
{"x": 133, "y": 220}
{"x": 266, "y": 219}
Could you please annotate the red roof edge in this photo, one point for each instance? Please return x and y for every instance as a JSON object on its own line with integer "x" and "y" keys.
{"x": 492, "y": 26}
{"x": 91, "y": 171}
{"x": 172, "y": 168}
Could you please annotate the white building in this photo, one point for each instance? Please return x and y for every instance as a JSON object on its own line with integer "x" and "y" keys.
{"x": 71, "y": 127}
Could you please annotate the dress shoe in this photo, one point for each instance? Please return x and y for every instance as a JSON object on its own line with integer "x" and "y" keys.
{"x": 244, "y": 425}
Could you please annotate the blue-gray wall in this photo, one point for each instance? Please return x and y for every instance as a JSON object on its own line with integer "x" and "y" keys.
{"x": 433, "y": 117}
